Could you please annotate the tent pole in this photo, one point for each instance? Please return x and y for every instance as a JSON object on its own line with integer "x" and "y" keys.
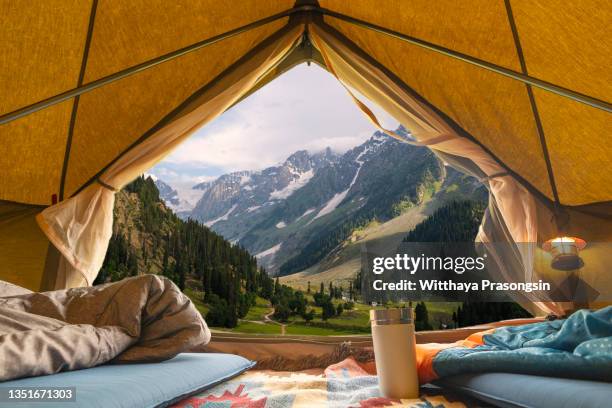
{"x": 75, "y": 103}
{"x": 534, "y": 106}
{"x": 35, "y": 107}
{"x": 171, "y": 116}
{"x": 568, "y": 93}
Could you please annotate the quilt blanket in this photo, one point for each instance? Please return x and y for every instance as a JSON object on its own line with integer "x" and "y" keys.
{"x": 346, "y": 384}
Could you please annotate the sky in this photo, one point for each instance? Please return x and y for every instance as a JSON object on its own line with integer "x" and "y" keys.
{"x": 304, "y": 109}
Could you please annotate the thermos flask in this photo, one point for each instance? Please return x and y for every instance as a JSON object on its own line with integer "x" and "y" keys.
{"x": 395, "y": 353}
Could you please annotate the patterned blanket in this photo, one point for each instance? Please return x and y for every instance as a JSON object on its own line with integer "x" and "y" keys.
{"x": 346, "y": 384}
{"x": 577, "y": 347}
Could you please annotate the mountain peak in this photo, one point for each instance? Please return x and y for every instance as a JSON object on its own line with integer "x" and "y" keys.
{"x": 172, "y": 198}
{"x": 299, "y": 160}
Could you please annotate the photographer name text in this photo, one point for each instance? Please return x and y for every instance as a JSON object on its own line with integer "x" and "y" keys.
{"x": 435, "y": 285}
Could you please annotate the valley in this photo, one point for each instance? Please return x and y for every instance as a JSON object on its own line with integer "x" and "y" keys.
{"x": 278, "y": 251}
{"x": 342, "y": 264}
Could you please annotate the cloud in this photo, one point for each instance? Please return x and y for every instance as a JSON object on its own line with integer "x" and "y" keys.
{"x": 306, "y": 108}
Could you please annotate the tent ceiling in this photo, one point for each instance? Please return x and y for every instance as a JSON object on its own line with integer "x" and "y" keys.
{"x": 97, "y": 128}
{"x": 485, "y": 104}
{"x": 564, "y": 44}
{"x": 42, "y": 49}
{"x": 110, "y": 118}
{"x": 567, "y": 43}
{"x": 476, "y": 28}
{"x": 556, "y": 41}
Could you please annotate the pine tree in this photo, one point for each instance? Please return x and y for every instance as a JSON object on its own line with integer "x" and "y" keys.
{"x": 185, "y": 250}
{"x": 328, "y": 310}
{"x": 421, "y": 317}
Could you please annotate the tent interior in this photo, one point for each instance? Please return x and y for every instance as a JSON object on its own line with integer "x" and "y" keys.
{"x": 512, "y": 92}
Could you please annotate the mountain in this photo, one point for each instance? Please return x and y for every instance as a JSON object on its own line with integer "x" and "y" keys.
{"x": 149, "y": 238}
{"x": 340, "y": 265}
{"x": 236, "y": 202}
{"x": 168, "y": 194}
{"x": 293, "y": 215}
{"x": 180, "y": 201}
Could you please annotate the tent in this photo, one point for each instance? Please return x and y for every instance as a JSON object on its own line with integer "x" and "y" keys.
{"x": 95, "y": 92}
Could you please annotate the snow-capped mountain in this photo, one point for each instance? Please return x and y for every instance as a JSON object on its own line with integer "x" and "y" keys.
{"x": 245, "y": 195}
{"x": 181, "y": 201}
{"x": 293, "y": 215}
{"x": 286, "y": 214}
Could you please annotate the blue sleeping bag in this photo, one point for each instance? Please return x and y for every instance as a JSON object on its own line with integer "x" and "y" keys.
{"x": 579, "y": 347}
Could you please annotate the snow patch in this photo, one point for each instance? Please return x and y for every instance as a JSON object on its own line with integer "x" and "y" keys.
{"x": 335, "y": 201}
{"x": 153, "y": 176}
{"x": 332, "y": 204}
{"x": 308, "y": 211}
{"x": 269, "y": 251}
{"x": 189, "y": 197}
{"x": 245, "y": 179}
{"x": 224, "y": 217}
{"x": 254, "y": 208}
{"x": 281, "y": 225}
{"x": 183, "y": 199}
{"x": 293, "y": 186}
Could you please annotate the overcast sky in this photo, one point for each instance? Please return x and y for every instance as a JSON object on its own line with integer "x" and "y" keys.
{"x": 306, "y": 108}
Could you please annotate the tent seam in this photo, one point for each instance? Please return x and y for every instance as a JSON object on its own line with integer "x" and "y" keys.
{"x": 170, "y": 116}
{"x": 75, "y": 104}
{"x": 532, "y": 102}
{"x": 462, "y": 132}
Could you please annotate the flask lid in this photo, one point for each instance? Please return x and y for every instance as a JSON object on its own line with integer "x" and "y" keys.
{"x": 402, "y": 315}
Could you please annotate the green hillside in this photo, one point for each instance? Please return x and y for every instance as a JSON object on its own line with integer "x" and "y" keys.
{"x": 150, "y": 238}
{"x": 234, "y": 293}
{"x": 403, "y": 177}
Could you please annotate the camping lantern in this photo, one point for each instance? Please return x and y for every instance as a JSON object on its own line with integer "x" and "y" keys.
{"x": 564, "y": 251}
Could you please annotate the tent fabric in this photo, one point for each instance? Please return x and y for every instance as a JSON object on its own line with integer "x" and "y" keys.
{"x": 513, "y": 202}
{"x": 556, "y": 39}
{"x": 81, "y": 227}
{"x": 544, "y": 156}
{"x": 565, "y": 44}
{"x": 43, "y": 53}
{"x": 23, "y": 246}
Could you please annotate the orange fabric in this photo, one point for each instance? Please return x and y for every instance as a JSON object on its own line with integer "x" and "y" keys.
{"x": 427, "y": 352}
{"x": 477, "y": 338}
{"x": 425, "y": 355}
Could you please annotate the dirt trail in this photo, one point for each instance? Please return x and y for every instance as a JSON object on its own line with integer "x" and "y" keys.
{"x": 267, "y": 319}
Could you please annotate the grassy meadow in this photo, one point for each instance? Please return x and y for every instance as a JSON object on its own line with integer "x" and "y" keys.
{"x": 350, "y": 322}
